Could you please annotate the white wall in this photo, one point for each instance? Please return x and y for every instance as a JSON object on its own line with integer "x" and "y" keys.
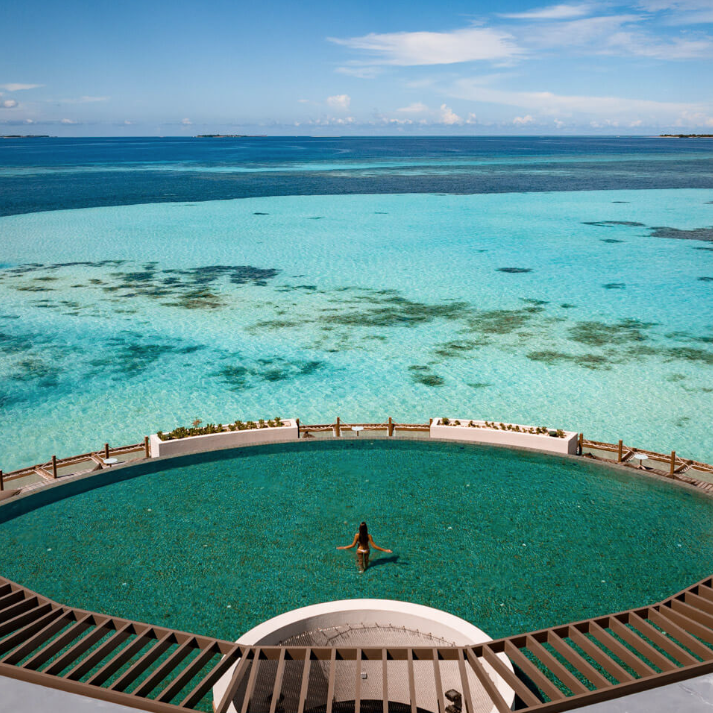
{"x": 566, "y": 445}
{"x": 386, "y": 612}
{"x": 220, "y": 441}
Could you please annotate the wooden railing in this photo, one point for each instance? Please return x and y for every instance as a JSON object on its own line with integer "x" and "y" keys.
{"x": 672, "y": 466}
{"x": 159, "y": 669}
{"x": 155, "y": 668}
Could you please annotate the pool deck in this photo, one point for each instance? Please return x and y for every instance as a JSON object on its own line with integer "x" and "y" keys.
{"x": 639, "y": 677}
{"x": 692, "y": 696}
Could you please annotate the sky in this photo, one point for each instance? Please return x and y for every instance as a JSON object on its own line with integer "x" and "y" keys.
{"x": 332, "y": 67}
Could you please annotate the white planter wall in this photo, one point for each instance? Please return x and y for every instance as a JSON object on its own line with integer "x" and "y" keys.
{"x": 566, "y": 445}
{"x": 220, "y": 441}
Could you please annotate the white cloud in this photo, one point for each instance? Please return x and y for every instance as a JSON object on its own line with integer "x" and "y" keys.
{"x": 128, "y": 123}
{"x": 695, "y": 118}
{"x": 681, "y": 12}
{"x": 634, "y": 124}
{"x": 83, "y": 100}
{"x": 559, "y": 124}
{"x": 644, "y": 45}
{"x": 68, "y": 121}
{"x": 550, "y": 103}
{"x": 415, "y": 108}
{"x": 472, "y": 118}
{"x": 408, "y": 49}
{"x": 8, "y": 104}
{"x": 339, "y": 101}
{"x": 522, "y": 120}
{"x": 449, "y": 117}
{"x": 331, "y": 121}
{"x": 552, "y": 12}
{"x": 18, "y": 87}
{"x": 577, "y": 33}
{"x": 360, "y": 72}
{"x": 303, "y": 101}
{"x": 186, "y": 122}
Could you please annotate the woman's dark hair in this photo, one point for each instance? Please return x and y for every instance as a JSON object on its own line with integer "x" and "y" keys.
{"x": 363, "y": 535}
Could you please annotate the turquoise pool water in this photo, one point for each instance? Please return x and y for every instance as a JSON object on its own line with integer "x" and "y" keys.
{"x": 215, "y": 544}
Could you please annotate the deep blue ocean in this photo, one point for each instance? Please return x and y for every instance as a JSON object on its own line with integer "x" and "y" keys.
{"x": 147, "y": 282}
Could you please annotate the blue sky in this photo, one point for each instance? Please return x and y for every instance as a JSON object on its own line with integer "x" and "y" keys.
{"x": 102, "y": 68}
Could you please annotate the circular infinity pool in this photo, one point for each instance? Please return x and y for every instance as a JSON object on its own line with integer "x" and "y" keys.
{"x": 217, "y": 543}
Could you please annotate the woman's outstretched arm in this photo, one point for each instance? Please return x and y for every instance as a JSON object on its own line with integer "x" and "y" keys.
{"x": 376, "y": 547}
{"x": 348, "y": 547}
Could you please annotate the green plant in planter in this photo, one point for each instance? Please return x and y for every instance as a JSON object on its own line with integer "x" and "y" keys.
{"x": 251, "y": 424}
{"x": 560, "y": 433}
{"x": 456, "y": 423}
{"x": 278, "y": 421}
{"x": 445, "y": 421}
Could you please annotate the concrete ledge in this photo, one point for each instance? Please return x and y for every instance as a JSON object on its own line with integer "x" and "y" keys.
{"x": 221, "y": 441}
{"x": 515, "y": 439}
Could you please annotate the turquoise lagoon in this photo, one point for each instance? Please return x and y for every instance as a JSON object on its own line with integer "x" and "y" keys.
{"x": 216, "y": 544}
{"x": 589, "y": 311}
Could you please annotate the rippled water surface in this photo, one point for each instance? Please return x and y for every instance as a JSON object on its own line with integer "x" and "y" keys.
{"x": 509, "y": 541}
{"x": 558, "y": 282}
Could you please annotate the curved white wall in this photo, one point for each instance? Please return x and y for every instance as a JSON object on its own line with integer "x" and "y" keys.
{"x": 383, "y": 612}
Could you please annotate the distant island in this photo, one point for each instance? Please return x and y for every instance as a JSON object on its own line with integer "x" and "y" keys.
{"x": 230, "y": 136}
{"x": 26, "y": 136}
{"x": 686, "y": 136}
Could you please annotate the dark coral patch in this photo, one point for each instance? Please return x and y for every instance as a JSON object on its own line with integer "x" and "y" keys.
{"x": 36, "y": 371}
{"x": 588, "y": 361}
{"x": 704, "y": 234}
{"x": 614, "y": 223}
{"x": 600, "y": 334}
{"x": 614, "y": 286}
{"x": 243, "y": 376}
{"x": 515, "y": 270}
{"x": 455, "y": 350}
{"x": 423, "y": 375}
{"x": 611, "y": 240}
{"x": 257, "y": 212}
{"x": 706, "y": 279}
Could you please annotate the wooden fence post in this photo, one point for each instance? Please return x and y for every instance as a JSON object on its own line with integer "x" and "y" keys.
{"x": 338, "y": 428}
{"x": 2, "y": 482}
{"x": 581, "y": 444}
{"x": 673, "y": 462}
{"x": 54, "y": 467}
{"x": 620, "y": 453}
{"x": 297, "y": 421}
{"x": 106, "y": 450}
{"x": 391, "y": 427}
{"x": 147, "y": 451}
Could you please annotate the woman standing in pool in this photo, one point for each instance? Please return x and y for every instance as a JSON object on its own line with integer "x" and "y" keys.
{"x": 363, "y": 539}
